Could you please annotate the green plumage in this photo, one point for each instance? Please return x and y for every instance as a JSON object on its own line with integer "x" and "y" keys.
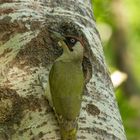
{"x": 66, "y": 82}
{"x": 66, "y": 85}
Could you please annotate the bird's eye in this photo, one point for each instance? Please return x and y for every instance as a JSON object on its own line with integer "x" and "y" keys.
{"x": 72, "y": 40}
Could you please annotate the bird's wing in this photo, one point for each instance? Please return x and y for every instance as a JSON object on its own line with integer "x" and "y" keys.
{"x": 66, "y": 86}
{"x": 48, "y": 94}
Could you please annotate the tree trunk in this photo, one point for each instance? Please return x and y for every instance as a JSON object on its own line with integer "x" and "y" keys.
{"x": 27, "y": 53}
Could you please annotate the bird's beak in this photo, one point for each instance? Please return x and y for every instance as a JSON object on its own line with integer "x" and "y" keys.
{"x": 58, "y": 37}
{"x": 62, "y": 44}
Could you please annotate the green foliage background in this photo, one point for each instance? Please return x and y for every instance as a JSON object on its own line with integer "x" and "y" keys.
{"x": 129, "y": 107}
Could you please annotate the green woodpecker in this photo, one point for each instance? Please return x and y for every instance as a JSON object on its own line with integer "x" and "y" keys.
{"x": 66, "y": 83}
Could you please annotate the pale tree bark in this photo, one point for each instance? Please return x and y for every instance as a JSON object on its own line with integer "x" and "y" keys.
{"x": 27, "y": 53}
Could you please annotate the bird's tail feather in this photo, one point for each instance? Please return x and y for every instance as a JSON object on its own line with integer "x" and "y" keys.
{"x": 68, "y": 129}
{"x": 68, "y": 135}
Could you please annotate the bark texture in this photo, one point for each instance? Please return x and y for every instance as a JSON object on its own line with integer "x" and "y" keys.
{"x": 27, "y": 53}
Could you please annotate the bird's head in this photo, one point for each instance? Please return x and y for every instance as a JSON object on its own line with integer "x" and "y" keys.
{"x": 73, "y": 47}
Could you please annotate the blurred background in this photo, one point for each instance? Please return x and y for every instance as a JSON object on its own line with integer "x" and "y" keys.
{"x": 118, "y": 22}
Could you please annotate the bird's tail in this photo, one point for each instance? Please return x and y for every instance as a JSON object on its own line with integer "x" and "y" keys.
{"x": 68, "y": 130}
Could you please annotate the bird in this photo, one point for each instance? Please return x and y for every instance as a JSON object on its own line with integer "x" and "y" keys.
{"x": 66, "y": 85}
